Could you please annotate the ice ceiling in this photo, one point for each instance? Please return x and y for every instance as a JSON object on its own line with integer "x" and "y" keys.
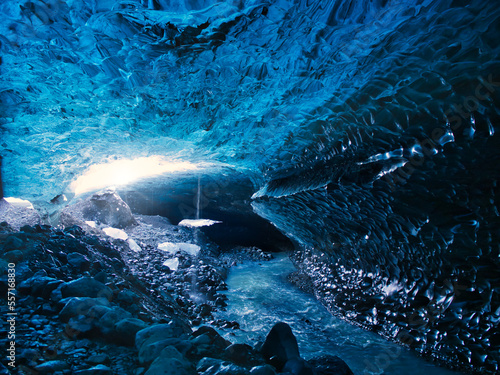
{"x": 370, "y": 129}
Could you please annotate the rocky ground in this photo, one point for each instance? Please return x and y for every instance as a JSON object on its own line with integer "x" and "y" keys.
{"x": 107, "y": 292}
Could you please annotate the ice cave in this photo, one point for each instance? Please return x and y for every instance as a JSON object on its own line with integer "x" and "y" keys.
{"x": 250, "y": 187}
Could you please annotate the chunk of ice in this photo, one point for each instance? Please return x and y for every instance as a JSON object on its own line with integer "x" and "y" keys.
{"x": 133, "y": 245}
{"x": 172, "y": 247}
{"x": 173, "y": 263}
{"x": 115, "y": 233}
{"x": 16, "y": 202}
{"x": 91, "y": 224}
{"x": 190, "y": 223}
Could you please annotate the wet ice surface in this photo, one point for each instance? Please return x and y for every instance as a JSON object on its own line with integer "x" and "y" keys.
{"x": 259, "y": 296}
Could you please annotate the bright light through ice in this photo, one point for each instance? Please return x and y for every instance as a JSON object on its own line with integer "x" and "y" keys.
{"x": 122, "y": 172}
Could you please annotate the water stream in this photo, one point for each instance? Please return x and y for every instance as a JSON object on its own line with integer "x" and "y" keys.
{"x": 259, "y": 296}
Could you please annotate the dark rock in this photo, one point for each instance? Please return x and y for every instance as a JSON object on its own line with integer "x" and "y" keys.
{"x": 280, "y": 346}
{"x": 51, "y": 367}
{"x": 13, "y": 242}
{"x": 149, "y": 351}
{"x": 159, "y": 332}
{"x": 107, "y": 322}
{"x": 215, "y": 338}
{"x": 86, "y": 287}
{"x": 79, "y": 326}
{"x": 205, "y": 310}
{"x": 240, "y": 354}
{"x": 96, "y": 370}
{"x": 126, "y": 329}
{"x": 262, "y": 370}
{"x": 78, "y": 261}
{"x": 39, "y": 285}
{"x": 127, "y": 297}
{"x": 219, "y": 302}
{"x": 98, "y": 359}
{"x": 171, "y": 362}
{"x": 298, "y": 366}
{"x": 74, "y": 306}
{"x": 330, "y": 365}
{"x": 212, "y": 366}
{"x": 13, "y": 256}
{"x": 101, "y": 276}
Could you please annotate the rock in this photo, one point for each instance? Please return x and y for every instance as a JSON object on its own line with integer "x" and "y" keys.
{"x": 107, "y": 322}
{"x": 171, "y": 362}
{"x": 150, "y": 351}
{"x": 51, "y": 367}
{"x": 330, "y": 365}
{"x": 74, "y": 306}
{"x": 159, "y": 332}
{"x": 127, "y": 297}
{"x": 13, "y": 256}
{"x": 101, "y": 276}
{"x": 215, "y": 338}
{"x": 104, "y": 207}
{"x": 212, "y": 366}
{"x": 262, "y": 370}
{"x": 78, "y": 261}
{"x": 17, "y": 216}
{"x": 240, "y": 354}
{"x": 298, "y": 366}
{"x": 280, "y": 346}
{"x": 202, "y": 340}
{"x": 79, "y": 326}
{"x": 86, "y": 287}
{"x": 39, "y": 285}
{"x": 96, "y": 370}
{"x": 98, "y": 359}
{"x": 126, "y": 329}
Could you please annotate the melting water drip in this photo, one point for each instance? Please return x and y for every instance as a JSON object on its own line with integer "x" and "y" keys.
{"x": 198, "y": 199}
{"x": 260, "y": 296}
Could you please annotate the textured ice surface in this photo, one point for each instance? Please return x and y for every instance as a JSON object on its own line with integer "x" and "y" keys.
{"x": 369, "y": 128}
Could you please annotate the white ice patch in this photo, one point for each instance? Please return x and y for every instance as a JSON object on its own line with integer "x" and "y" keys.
{"x": 172, "y": 247}
{"x": 16, "y": 202}
{"x": 91, "y": 224}
{"x": 133, "y": 245}
{"x": 190, "y": 223}
{"x": 173, "y": 264}
{"x": 115, "y": 233}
